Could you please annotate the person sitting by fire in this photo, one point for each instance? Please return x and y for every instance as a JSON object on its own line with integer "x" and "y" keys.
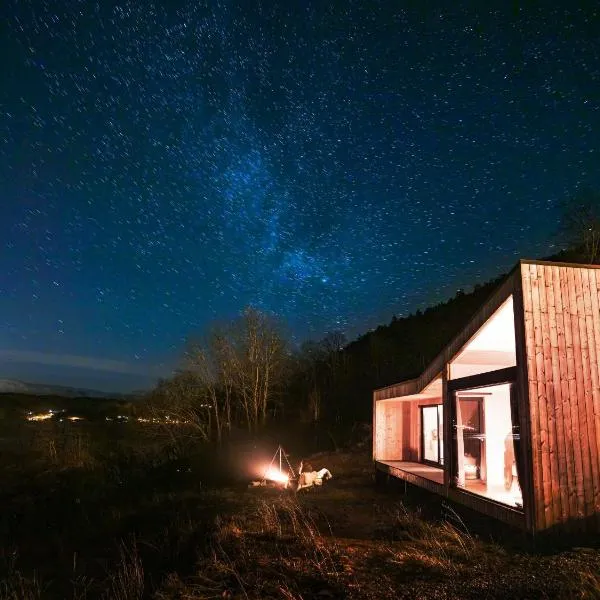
{"x": 308, "y": 478}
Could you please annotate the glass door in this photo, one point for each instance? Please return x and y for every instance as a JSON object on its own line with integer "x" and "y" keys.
{"x": 432, "y": 431}
{"x": 471, "y": 410}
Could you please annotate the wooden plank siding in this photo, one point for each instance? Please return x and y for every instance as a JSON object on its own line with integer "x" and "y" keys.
{"x": 594, "y": 399}
{"x": 522, "y": 391}
{"x": 534, "y": 423}
{"x": 594, "y": 338}
{"x": 579, "y": 393}
{"x": 545, "y": 397}
{"x": 562, "y": 338}
{"x": 388, "y": 438}
{"x": 561, "y": 382}
{"x": 571, "y": 394}
{"x": 553, "y": 385}
{"x": 408, "y": 451}
{"x": 585, "y": 334}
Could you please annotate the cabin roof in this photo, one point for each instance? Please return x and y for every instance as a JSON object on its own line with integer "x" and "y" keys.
{"x": 478, "y": 319}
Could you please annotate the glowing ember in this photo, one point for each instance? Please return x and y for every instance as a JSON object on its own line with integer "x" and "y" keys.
{"x": 273, "y": 474}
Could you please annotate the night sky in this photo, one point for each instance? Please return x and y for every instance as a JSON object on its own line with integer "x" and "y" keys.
{"x": 163, "y": 165}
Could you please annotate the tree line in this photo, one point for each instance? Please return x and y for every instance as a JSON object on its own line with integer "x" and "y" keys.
{"x": 245, "y": 373}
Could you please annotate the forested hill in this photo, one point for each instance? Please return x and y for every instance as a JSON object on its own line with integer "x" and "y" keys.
{"x": 404, "y": 348}
{"x": 397, "y": 351}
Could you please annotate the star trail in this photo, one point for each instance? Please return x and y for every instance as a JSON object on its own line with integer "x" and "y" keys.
{"x": 164, "y": 165}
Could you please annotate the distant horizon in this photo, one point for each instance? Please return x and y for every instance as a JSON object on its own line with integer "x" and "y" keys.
{"x": 58, "y": 386}
{"x": 109, "y": 384}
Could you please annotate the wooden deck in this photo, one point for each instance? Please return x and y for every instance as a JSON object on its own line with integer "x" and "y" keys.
{"x": 473, "y": 497}
{"x": 425, "y": 476}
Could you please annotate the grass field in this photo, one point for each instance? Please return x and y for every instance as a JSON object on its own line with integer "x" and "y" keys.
{"x": 122, "y": 517}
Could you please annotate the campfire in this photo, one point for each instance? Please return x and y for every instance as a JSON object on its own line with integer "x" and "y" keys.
{"x": 274, "y": 475}
{"x": 285, "y": 476}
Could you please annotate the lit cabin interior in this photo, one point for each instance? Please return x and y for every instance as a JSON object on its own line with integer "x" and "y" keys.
{"x": 484, "y": 433}
{"x": 411, "y": 428}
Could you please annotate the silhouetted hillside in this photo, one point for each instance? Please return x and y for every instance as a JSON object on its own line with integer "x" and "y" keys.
{"x": 344, "y": 380}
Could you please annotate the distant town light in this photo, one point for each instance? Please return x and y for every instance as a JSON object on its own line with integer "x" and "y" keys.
{"x": 40, "y": 416}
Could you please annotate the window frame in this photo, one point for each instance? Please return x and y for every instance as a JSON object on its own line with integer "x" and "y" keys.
{"x": 508, "y": 376}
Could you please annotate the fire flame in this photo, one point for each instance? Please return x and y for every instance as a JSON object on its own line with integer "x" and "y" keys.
{"x": 274, "y": 474}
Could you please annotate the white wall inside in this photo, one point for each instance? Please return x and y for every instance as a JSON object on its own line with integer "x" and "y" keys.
{"x": 491, "y": 348}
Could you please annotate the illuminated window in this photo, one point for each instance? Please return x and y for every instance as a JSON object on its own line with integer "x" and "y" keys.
{"x": 491, "y": 348}
{"x": 486, "y": 443}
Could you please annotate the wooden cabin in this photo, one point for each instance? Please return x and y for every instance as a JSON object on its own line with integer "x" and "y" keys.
{"x": 506, "y": 419}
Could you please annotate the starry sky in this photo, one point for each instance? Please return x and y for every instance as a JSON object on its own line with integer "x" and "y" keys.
{"x": 163, "y": 165}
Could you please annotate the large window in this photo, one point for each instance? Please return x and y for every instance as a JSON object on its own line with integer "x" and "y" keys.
{"x": 486, "y": 443}
{"x": 432, "y": 434}
{"x": 491, "y": 348}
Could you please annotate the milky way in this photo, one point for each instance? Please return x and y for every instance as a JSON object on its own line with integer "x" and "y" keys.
{"x": 164, "y": 165}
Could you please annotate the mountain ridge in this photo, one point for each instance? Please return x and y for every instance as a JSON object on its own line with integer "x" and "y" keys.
{"x": 16, "y": 386}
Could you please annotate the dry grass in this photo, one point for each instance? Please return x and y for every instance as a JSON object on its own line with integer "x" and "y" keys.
{"x": 435, "y": 547}
{"x": 274, "y": 550}
{"x": 63, "y": 450}
{"x": 18, "y": 587}
{"x": 127, "y": 581}
{"x": 83, "y": 587}
{"x": 588, "y": 585}
{"x": 347, "y": 539}
{"x": 14, "y": 585}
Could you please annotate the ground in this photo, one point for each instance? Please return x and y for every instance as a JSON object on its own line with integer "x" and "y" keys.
{"x": 351, "y": 539}
{"x": 123, "y": 526}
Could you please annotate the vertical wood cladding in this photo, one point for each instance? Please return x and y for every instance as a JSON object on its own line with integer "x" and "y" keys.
{"x": 562, "y": 335}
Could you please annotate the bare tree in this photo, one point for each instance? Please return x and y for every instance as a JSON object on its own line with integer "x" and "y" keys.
{"x": 179, "y": 407}
{"x": 580, "y": 223}
{"x": 254, "y": 356}
{"x": 333, "y": 344}
{"x": 307, "y": 363}
{"x": 320, "y": 369}
{"x": 225, "y": 398}
{"x": 201, "y": 365}
{"x": 336, "y": 361}
{"x": 314, "y": 403}
{"x": 210, "y": 363}
{"x": 239, "y": 368}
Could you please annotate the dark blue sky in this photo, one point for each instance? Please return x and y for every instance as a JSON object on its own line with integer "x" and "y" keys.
{"x": 162, "y": 165}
